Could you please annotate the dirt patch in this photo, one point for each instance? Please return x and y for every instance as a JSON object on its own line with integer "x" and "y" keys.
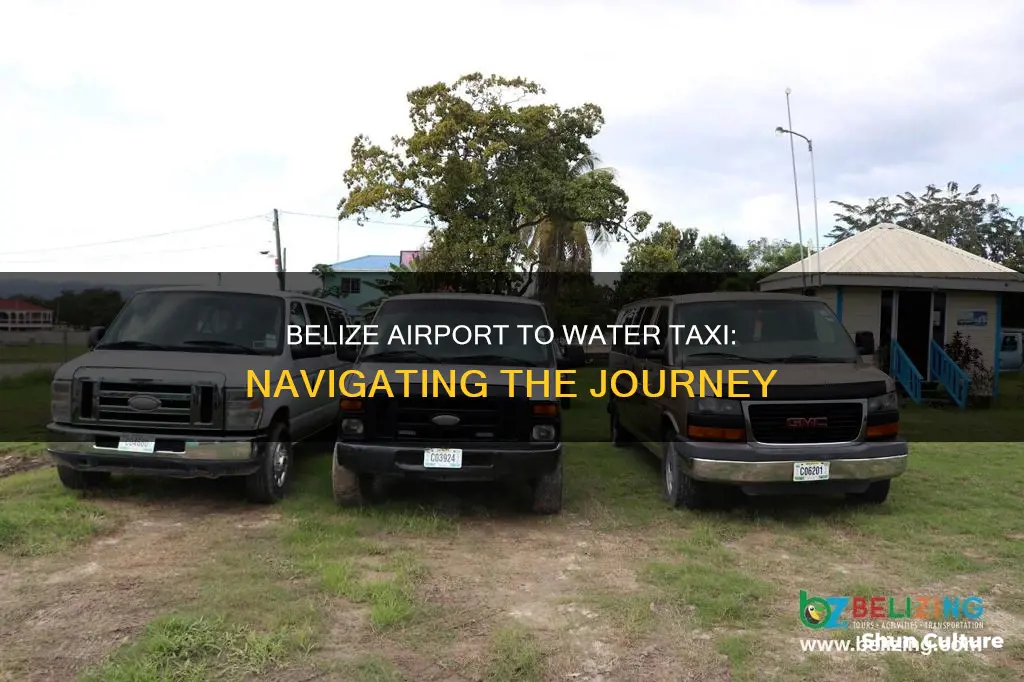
{"x": 537, "y": 575}
{"x": 59, "y": 615}
{"x": 15, "y": 462}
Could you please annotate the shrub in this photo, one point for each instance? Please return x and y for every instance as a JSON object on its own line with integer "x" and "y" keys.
{"x": 969, "y": 359}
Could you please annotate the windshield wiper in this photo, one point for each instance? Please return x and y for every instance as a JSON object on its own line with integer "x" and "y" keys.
{"x": 492, "y": 359}
{"x": 131, "y": 345}
{"x": 809, "y": 359}
{"x": 718, "y": 354}
{"x": 221, "y": 345}
{"x": 399, "y": 356}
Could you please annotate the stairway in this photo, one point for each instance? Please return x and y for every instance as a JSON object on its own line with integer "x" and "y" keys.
{"x": 934, "y": 394}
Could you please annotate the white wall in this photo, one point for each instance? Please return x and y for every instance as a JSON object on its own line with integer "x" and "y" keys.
{"x": 982, "y": 338}
{"x": 862, "y": 311}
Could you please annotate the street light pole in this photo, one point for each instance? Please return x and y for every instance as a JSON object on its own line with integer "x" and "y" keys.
{"x": 796, "y": 193}
{"x": 814, "y": 189}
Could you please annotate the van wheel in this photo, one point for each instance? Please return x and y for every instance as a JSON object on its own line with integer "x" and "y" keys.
{"x": 677, "y": 488}
{"x": 267, "y": 484}
{"x": 877, "y": 493}
{"x": 82, "y": 480}
{"x": 548, "y": 492}
{"x": 349, "y": 488}
{"x": 619, "y": 435}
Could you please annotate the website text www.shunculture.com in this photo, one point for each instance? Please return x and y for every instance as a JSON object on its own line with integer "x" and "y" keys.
{"x": 924, "y": 644}
{"x": 533, "y": 382}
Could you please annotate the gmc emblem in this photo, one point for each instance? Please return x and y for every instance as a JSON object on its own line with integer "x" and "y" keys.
{"x": 807, "y": 422}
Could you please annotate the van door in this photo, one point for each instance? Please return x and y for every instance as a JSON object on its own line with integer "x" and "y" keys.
{"x": 324, "y": 407}
{"x": 620, "y": 358}
{"x": 650, "y": 408}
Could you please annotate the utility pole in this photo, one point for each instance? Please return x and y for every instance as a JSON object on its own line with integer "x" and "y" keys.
{"x": 279, "y": 261}
{"x": 796, "y": 193}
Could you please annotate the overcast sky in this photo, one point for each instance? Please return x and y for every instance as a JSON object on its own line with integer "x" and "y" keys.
{"x": 124, "y": 119}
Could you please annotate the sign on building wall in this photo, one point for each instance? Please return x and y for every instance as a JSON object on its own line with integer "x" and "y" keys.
{"x": 972, "y": 318}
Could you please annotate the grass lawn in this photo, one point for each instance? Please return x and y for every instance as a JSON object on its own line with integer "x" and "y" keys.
{"x": 41, "y": 353}
{"x": 159, "y": 580}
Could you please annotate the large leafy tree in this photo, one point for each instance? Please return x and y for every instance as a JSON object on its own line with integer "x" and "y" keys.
{"x": 970, "y": 221}
{"x": 766, "y": 256}
{"x": 489, "y": 168}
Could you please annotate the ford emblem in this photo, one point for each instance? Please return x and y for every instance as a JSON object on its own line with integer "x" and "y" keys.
{"x": 445, "y": 420}
{"x": 143, "y": 403}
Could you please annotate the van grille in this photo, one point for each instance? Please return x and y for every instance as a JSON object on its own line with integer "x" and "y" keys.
{"x": 796, "y": 423}
{"x": 498, "y": 419}
{"x": 149, "y": 404}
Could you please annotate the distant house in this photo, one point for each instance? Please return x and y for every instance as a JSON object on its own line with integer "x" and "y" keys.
{"x": 18, "y": 315}
{"x": 357, "y": 278}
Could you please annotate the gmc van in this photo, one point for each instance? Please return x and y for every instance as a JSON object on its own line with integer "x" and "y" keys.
{"x": 164, "y": 391}
{"x": 507, "y": 435}
{"x": 829, "y": 424}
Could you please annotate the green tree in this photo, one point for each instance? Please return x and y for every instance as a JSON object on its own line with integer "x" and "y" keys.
{"x": 324, "y": 272}
{"x": 767, "y": 256}
{"x": 969, "y": 221}
{"x": 489, "y": 169}
{"x": 656, "y": 251}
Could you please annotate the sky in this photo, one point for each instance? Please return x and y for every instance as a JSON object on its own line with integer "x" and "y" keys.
{"x": 120, "y": 120}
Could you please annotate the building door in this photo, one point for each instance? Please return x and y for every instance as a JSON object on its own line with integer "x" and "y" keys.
{"x": 914, "y": 326}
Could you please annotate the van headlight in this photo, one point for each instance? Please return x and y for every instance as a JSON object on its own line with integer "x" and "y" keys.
{"x": 242, "y": 412}
{"x": 717, "y": 406}
{"x": 60, "y": 402}
{"x": 883, "y": 403}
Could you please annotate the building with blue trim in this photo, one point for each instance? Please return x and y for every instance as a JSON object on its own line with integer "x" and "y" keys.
{"x": 913, "y": 293}
{"x": 357, "y": 278}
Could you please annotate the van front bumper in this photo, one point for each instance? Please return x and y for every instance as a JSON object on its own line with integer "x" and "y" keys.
{"x": 175, "y": 457}
{"x": 496, "y": 462}
{"x": 752, "y": 464}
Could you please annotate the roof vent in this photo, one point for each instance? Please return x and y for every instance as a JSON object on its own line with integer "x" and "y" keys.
{"x": 887, "y": 226}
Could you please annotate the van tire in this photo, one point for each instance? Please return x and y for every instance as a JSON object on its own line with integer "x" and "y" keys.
{"x": 82, "y": 480}
{"x": 619, "y": 435}
{"x": 876, "y": 493}
{"x": 350, "y": 489}
{"x": 548, "y": 492}
{"x": 677, "y": 488}
{"x": 267, "y": 485}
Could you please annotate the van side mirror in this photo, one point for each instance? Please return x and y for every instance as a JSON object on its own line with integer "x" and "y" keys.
{"x": 95, "y": 336}
{"x": 651, "y": 352}
{"x": 865, "y": 343}
{"x": 572, "y": 357}
{"x": 347, "y": 353}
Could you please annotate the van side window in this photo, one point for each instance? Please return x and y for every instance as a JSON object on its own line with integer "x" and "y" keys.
{"x": 662, "y": 321}
{"x": 645, "y": 318}
{"x": 1009, "y": 343}
{"x": 318, "y": 317}
{"x": 625, "y": 318}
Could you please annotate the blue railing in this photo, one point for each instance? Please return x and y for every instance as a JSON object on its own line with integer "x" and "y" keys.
{"x": 903, "y": 369}
{"x": 949, "y": 374}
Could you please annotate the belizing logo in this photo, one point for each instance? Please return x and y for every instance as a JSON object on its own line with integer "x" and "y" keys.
{"x": 807, "y": 422}
{"x": 836, "y": 612}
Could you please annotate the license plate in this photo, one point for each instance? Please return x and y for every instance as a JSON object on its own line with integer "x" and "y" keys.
{"x": 143, "y": 446}
{"x": 442, "y": 458}
{"x": 810, "y": 471}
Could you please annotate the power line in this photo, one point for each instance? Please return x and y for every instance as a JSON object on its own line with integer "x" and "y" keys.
{"x": 336, "y": 219}
{"x": 138, "y": 238}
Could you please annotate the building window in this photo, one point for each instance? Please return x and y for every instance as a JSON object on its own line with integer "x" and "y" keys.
{"x": 350, "y": 285}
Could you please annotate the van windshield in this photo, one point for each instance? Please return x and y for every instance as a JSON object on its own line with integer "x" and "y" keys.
{"x": 396, "y": 319}
{"x": 199, "y": 321}
{"x": 763, "y": 331}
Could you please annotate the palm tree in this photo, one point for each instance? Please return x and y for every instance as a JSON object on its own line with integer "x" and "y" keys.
{"x": 565, "y": 246}
{"x": 323, "y": 271}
